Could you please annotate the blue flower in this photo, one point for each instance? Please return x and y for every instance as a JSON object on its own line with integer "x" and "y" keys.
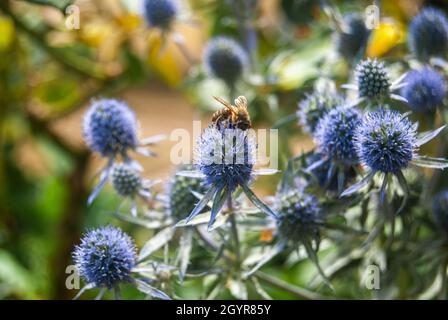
{"x": 387, "y": 142}
{"x": 110, "y": 127}
{"x": 425, "y": 90}
{"x": 428, "y": 34}
{"x": 352, "y": 43}
{"x": 440, "y": 210}
{"x": 105, "y": 257}
{"x": 299, "y": 216}
{"x": 334, "y": 135}
{"x": 160, "y": 13}
{"x": 313, "y": 108}
{"x": 225, "y": 59}
{"x": 126, "y": 180}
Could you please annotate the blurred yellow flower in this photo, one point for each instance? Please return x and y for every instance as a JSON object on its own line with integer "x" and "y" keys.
{"x": 388, "y": 34}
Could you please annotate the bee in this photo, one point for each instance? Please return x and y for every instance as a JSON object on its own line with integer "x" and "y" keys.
{"x": 236, "y": 115}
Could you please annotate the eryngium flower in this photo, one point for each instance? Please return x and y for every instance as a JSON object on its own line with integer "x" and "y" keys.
{"x": 352, "y": 43}
{"x": 181, "y": 200}
{"x": 425, "y": 90}
{"x": 226, "y": 156}
{"x": 160, "y": 13}
{"x": 299, "y": 216}
{"x": 225, "y": 59}
{"x": 372, "y": 79}
{"x": 105, "y": 257}
{"x": 314, "y": 106}
{"x": 126, "y": 180}
{"x": 334, "y": 135}
{"x": 110, "y": 127}
{"x": 440, "y": 210}
{"x": 428, "y": 34}
{"x": 386, "y": 141}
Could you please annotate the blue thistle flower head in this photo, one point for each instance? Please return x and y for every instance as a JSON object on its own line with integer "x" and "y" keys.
{"x": 105, "y": 257}
{"x": 372, "y": 79}
{"x": 428, "y": 34}
{"x": 425, "y": 90}
{"x": 298, "y": 216}
{"x": 181, "y": 200}
{"x": 386, "y": 141}
{"x": 314, "y": 106}
{"x": 110, "y": 127}
{"x": 440, "y": 210}
{"x": 226, "y": 156}
{"x": 334, "y": 134}
{"x": 126, "y": 180}
{"x": 225, "y": 59}
{"x": 160, "y": 13}
{"x": 352, "y": 43}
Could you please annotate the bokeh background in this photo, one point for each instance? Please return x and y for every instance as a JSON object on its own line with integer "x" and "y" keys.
{"x": 48, "y": 75}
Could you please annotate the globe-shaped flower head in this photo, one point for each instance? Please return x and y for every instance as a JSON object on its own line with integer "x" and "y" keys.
{"x": 334, "y": 135}
{"x": 160, "y": 13}
{"x": 440, "y": 210}
{"x": 299, "y": 216}
{"x": 372, "y": 79}
{"x": 126, "y": 180}
{"x": 428, "y": 34}
{"x": 110, "y": 127}
{"x": 386, "y": 141}
{"x": 181, "y": 200}
{"x": 105, "y": 257}
{"x": 352, "y": 42}
{"x": 313, "y": 108}
{"x": 226, "y": 156}
{"x": 225, "y": 59}
{"x": 425, "y": 90}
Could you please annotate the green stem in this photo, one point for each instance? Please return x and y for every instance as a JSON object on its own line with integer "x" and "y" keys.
{"x": 234, "y": 229}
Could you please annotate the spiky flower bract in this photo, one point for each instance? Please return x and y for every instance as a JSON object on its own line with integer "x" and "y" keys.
{"x": 126, "y": 180}
{"x": 352, "y": 42}
{"x": 425, "y": 90}
{"x": 299, "y": 216}
{"x": 428, "y": 34}
{"x": 160, "y": 13}
{"x": 181, "y": 200}
{"x": 440, "y": 210}
{"x": 334, "y": 134}
{"x": 225, "y": 59}
{"x": 226, "y": 156}
{"x": 386, "y": 141}
{"x": 105, "y": 257}
{"x": 110, "y": 127}
{"x": 313, "y": 108}
{"x": 372, "y": 79}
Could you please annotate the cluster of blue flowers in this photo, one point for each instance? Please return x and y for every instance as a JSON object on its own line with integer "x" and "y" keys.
{"x": 364, "y": 141}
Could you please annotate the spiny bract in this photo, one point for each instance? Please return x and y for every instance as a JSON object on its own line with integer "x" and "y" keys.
{"x": 226, "y": 156}
{"x": 126, "y": 180}
{"x": 386, "y": 141}
{"x": 225, "y": 59}
{"x": 298, "y": 217}
{"x": 105, "y": 257}
{"x": 160, "y": 13}
{"x": 372, "y": 79}
{"x": 425, "y": 90}
{"x": 428, "y": 34}
{"x": 110, "y": 127}
{"x": 334, "y": 134}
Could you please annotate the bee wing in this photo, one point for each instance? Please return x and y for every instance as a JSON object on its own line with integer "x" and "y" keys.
{"x": 241, "y": 102}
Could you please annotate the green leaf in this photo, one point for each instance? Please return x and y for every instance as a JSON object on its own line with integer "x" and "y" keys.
{"x": 156, "y": 242}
